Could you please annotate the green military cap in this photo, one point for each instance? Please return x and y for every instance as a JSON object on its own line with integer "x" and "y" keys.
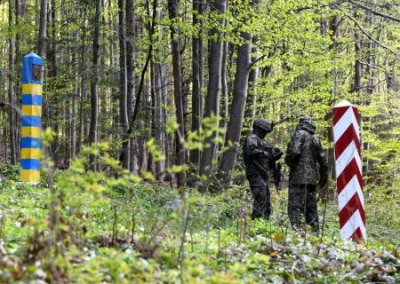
{"x": 307, "y": 123}
{"x": 263, "y": 124}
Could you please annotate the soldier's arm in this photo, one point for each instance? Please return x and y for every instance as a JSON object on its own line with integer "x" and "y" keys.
{"x": 294, "y": 148}
{"x": 252, "y": 149}
{"x": 323, "y": 165}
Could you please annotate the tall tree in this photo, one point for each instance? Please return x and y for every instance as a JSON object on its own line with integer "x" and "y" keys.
{"x": 83, "y": 55}
{"x": 173, "y": 9}
{"x": 94, "y": 118}
{"x": 250, "y": 111}
{"x": 42, "y": 38}
{"x": 123, "y": 105}
{"x": 130, "y": 68}
{"x": 238, "y": 107}
{"x": 197, "y": 46}
{"x": 214, "y": 85}
{"x": 141, "y": 84}
{"x": 52, "y": 101}
{"x": 11, "y": 94}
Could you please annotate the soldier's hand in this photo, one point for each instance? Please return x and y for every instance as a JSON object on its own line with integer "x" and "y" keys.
{"x": 277, "y": 155}
{"x": 267, "y": 155}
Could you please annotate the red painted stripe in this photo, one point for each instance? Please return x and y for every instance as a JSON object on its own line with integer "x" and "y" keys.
{"x": 338, "y": 113}
{"x": 357, "y": 235}
{"x": 351, "y": 207}
{"x": 357, "y": 114}
{"x": 348, "y": 136}
{"x": 348, "y": 173}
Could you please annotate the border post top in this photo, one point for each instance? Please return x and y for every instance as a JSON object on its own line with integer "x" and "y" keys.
{"x": 32, "y": 69}
{"x": 344, "y": 103}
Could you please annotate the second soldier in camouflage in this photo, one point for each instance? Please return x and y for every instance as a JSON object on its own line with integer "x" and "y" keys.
{"x": 308, "y": 169}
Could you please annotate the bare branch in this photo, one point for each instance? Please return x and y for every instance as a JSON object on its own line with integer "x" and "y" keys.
{"x": 368, "y": 86}
{"x": 388, "y": 17}
{"x": 4, "y": 104}
{"x": 369, "y": 36}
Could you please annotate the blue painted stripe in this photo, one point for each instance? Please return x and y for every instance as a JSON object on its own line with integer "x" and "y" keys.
{"x": 31, "y": 100}
{"x": 30, "y": 164}
{"x": 30, "y": 142}
{"x": 31, "y": 121}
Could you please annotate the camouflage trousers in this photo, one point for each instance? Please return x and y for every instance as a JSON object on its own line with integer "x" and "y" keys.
{"x": 261, "y": 197}
{"x": 303, "y": 202}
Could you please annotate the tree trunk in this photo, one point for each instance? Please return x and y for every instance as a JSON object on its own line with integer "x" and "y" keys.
{"x": 142, "y": 81}
{"x": 251, "y": 103}
{"x": 42, "y": 29}
{"x": 164, "y": 101}
{"x": 160, "y": 120}
{"x": 94, "y": 82}
{"x": 52, "y": 101}
{"x": 224, "y": 84}
{"x": 130, "y": 68}
{"x": 82, "y": 85}
{"x": 130, "y": 55}
{"x": 196, "y": 89}
{"x": 123, "y": 111}
{"x": 74, "y": 104}
{"x": 173, "y": 8}
{"x": 18, "y": 65}
{"x": 213, "y": 89}
{"x": 11, "y": 94}
{"x": 238, "y": 107}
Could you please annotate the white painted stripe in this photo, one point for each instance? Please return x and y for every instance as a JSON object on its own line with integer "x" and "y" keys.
{"x": 346, "y": 157}
{"x": 352, "y": 225}
{"x": 353, "y": 187}
{"x": 344, "y": 122}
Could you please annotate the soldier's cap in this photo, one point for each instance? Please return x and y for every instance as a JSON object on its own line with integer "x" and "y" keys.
{"x": 306, "y": 120}
{"x": 263, "y": 124}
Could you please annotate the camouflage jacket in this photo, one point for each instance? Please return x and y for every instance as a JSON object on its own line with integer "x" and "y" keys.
{"x": 306, "y": 159}
{"x": 255, "y": 158}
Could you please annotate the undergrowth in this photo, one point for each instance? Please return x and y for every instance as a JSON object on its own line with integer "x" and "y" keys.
{"x": 111, "y": 227}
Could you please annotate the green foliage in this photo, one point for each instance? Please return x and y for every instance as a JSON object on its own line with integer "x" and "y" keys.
{"x": 112, "y": 228}
{"x": 9, "y": 172}
{"x": 115, "y": 227}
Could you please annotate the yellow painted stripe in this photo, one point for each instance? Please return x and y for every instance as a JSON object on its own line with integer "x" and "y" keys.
{"x": 32, "y": 89}
{"x": 29, "y": 176}
{"x": 35, "y": 132}
{"x": 30, "y": 153}
{"x": 32, "y": 110}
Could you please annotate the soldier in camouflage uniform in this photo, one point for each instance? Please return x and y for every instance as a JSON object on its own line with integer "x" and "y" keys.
{"x": 258, "y": 156}
{"x": 308, "y": 169}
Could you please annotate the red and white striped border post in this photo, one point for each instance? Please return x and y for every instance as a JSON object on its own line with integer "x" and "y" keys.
{"x": 346, "y": 133}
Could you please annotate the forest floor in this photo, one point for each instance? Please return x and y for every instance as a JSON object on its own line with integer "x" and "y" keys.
{"x": 93, "y": 229}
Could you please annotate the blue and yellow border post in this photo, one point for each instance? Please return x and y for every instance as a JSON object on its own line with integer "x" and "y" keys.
{"x": 31, "y": 122}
